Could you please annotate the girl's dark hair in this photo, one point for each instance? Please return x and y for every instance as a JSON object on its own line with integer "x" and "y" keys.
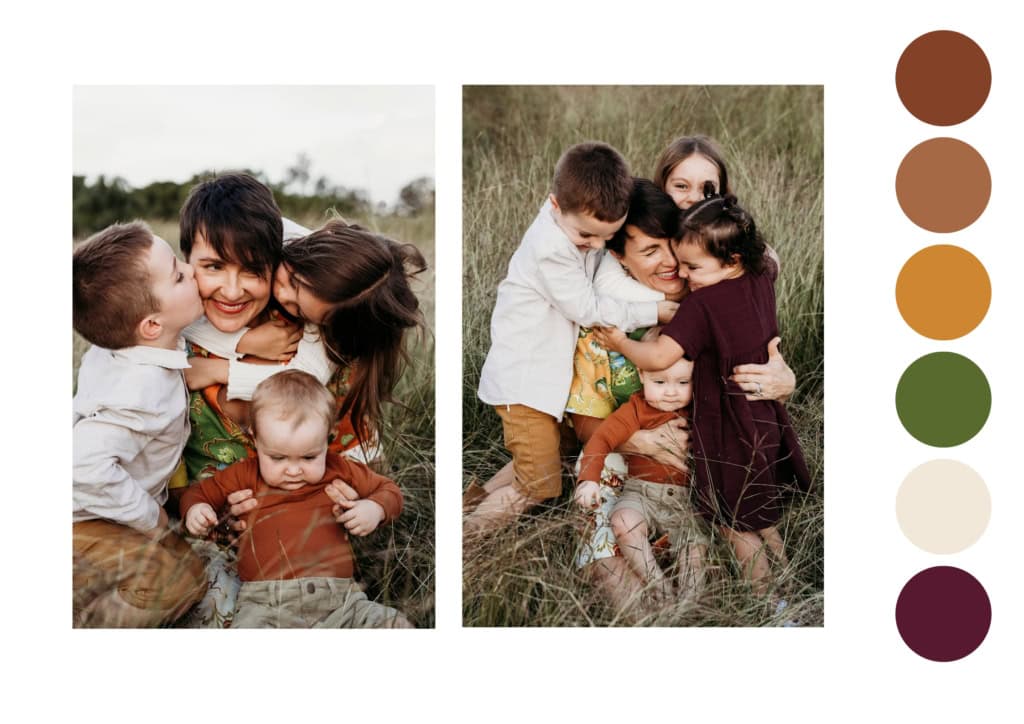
{"x": 365, "y": 278}
{"x": 723, "y": 229}
{"x": 684, "y": 147}
{"x": 651, "y": 210}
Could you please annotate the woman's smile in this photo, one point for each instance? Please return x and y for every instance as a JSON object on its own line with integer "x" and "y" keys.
{"x": 232, "y": 295}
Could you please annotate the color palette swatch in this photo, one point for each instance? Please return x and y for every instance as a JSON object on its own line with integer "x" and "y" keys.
{"x": 943, "y": 292}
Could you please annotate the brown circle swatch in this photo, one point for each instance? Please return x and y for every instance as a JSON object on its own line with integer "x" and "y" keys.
{"x": 943, "y": 78}
{"x": 943, "y": 292}
{"x": 943, "y": 185}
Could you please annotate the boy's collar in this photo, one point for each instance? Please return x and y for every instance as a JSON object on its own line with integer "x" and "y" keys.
{"x": 175, "y": 359}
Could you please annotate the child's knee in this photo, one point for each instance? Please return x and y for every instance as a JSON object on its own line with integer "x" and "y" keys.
{"x": 627, "y": 523}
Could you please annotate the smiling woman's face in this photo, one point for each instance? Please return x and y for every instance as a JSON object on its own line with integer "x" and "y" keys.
{"x": 232, "y": 296}
{"x": 651, "y": 262}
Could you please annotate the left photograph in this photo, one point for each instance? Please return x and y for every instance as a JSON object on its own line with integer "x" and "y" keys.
{"x": 253, "y": 306}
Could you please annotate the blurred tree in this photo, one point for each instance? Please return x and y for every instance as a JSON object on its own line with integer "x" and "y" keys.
{"x": 298, "y": 172}
{"x": 416, "y": 196}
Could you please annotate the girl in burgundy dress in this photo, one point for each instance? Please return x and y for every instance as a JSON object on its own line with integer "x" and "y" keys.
{"x": 745, "y": 452}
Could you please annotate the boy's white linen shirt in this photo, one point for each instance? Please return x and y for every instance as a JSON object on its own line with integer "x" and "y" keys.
{"x": 130, "y": 425}
{"x": 545, "y": 298}
{"x": 612, "y": 280}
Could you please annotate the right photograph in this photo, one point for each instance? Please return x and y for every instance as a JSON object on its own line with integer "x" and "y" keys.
{"x": 643, "y": 351}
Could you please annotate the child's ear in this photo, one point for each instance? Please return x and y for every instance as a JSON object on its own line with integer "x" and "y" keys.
{"x": 554, "y": 201}
{"x": 150, "y": 328}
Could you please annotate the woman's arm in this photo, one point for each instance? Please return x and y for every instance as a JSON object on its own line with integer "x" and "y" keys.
{"x": 667, "y": 444}
{"x": 774, "y": 380}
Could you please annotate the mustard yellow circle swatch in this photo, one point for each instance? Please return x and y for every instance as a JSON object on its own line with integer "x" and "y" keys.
{"x": 943, "y": 292}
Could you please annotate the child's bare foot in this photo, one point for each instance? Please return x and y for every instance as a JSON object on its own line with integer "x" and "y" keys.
{"x": 498, "y": 510}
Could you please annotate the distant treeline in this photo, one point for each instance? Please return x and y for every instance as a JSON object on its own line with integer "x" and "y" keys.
{"x": 108, "y": 200}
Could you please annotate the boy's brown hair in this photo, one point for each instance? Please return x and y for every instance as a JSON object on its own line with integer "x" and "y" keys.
{"x": 593, "y": 178}
{"x": 295, "y": 395}
{"x": 111, "y": 288}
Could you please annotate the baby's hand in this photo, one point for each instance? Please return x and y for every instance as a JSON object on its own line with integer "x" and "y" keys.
{"x": 609, "y": 337}
{"x": 588, "y": 494}
{"x": 361, "y": 517}
{"x": 200, "y": 519}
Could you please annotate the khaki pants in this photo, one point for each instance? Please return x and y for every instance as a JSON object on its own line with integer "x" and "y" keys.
{"x": 535, "y": 439}
{"x": 666, "y": 509}
{"x": 309, "y": 603}
{"x": 124, "y": 579}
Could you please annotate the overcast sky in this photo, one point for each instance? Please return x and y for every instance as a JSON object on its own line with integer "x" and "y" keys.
{"x": 377, "y": 138}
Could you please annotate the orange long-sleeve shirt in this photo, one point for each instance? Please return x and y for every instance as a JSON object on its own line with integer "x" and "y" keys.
{"x": 635, "y": 414}
{"x": 292, "y": 534}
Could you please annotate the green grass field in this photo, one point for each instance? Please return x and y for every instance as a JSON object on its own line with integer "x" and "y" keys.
{"x": 772, "y": 140}
{"x": 397, "y": 562}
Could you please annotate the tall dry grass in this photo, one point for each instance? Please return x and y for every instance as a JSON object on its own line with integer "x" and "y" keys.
{"x": 772, "y": 139}
{"x": 396, "y": 561}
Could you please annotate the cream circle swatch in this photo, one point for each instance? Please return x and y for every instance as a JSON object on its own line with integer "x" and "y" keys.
{"x": 943, "y": 506}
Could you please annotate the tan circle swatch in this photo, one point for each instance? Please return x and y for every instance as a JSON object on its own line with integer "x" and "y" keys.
{"x": 943, "y": 506}
{"x": 943, "y": 292}
{"x": 943, "y": 185}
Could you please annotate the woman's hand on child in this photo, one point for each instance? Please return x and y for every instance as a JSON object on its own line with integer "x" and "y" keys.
{"x": 609, "y": 337}
{"x": 200, "y": 519}
{"x": 275, "y": 340}
{"x": 667, "y": 444}
{"x": 588, "y": 494}
{"x": 206, "y": 371}
{"x": 774, "y": 380}
{"x": 240, "y": 503}
{"x": 339, "y": 491}
{"x": 361, "y": 517}
{"x": 666, "y": 310}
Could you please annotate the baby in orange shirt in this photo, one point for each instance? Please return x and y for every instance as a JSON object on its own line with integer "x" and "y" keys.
{"x": 294, "y": 557}
{"x": 654, "y": 499}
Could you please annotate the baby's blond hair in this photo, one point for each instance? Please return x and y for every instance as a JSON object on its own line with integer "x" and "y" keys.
{"x": 294, "y": 395}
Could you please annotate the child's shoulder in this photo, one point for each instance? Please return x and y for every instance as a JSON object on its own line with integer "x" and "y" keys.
{"x": 126, "y": 379}
{"x": 544, "y": 237}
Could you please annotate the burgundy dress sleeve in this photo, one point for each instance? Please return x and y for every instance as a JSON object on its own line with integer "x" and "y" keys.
{"x": 689, "y": 327}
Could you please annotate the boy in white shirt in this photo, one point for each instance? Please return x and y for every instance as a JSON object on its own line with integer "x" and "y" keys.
{"x": 542, "y": 302}
{"x": 132, "y": 299}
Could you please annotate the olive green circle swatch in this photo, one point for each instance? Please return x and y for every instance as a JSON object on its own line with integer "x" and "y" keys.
{"x": 943, "y": 399}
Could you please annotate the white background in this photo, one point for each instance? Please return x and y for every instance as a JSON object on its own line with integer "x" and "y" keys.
{"x": 856, "y": 667}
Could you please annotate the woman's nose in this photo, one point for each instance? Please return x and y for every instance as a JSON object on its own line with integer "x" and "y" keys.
{"x": 232, "y": 286}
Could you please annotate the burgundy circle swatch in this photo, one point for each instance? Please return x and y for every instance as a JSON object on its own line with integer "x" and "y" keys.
{"x": 943, "y": 613}
{"x": 943, "y": 78}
